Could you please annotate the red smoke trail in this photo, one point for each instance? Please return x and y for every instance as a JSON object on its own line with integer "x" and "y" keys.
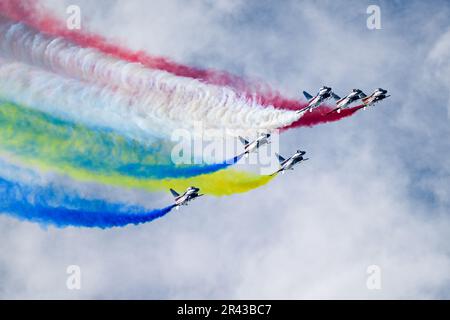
{"x": 322, "y": 115}
{"x": 32, "y": 14}
{"x": 29, "y": 12}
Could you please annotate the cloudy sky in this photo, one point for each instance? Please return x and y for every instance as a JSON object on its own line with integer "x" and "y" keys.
{"x": 375, "y": 192}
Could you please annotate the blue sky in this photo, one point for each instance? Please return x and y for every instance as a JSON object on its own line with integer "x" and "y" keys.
{"x": 376, "y": 190}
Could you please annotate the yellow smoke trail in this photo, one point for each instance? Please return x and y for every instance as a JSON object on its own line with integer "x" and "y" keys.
{"x": 220, "y": 183}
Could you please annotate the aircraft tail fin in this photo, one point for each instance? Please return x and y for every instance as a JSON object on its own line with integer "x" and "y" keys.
{"x": 307, "y": 95}
{"x": 243, "y": 141}
{"x": 280, "y": 158}
{"x": 174, "y": 193}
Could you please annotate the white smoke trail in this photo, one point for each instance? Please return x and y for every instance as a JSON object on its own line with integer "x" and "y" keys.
{"x": 76, "y": 101}
{"x": 126, "y": 96}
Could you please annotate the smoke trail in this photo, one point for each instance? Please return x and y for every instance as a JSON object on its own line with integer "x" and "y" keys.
{"x": 62, "y": 56}
{"x": 140, "y": 117}
{"x": 321, "y": 115}
{"x": 45, "y": 205}
{"x": 219, "y": 183}
{"x": 32, "y": 14}
{"x": 154, "y": 91}
{"x": 33, "y": 195}
{"x": 33, "y": 134}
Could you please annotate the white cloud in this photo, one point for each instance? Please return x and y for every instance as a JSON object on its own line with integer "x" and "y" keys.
{"x": 438, "y": 65}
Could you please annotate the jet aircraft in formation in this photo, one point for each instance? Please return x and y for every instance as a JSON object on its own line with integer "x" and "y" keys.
{"x": 289, "y": 163}
{"x": 378, "y": 95}
{"x": 182, "y": 200}
{"x": 324, "y": 94}
{"x": 254, "y": 145}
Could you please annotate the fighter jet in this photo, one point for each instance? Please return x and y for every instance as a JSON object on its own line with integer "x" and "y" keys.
{"x": 182, "y": 200}
{"x": 324, "y": 94}
{"x": 254, "y": 145}
{"x": 378, "y": 95}
{"x": 288, "y": 164}
{"x": 343, "y": 103}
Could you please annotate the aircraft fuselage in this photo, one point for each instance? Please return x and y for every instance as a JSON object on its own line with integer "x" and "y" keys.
{"x": 291, "y": 162}
{"x": 186, "y": 197}
{"x": 352, "y": 97}
{"x": 253, "y": 146}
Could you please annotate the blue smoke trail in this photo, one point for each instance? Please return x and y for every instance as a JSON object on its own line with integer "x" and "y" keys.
{"x": 47, "y": 206}
{"x": 138, "y": 170}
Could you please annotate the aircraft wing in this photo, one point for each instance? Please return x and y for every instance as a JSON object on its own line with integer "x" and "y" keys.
{"x": 243, "y": 141}
{"x": 276, "y": 172}
{"x": 334, "y": 110}
{"x": 303, "y": 109}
